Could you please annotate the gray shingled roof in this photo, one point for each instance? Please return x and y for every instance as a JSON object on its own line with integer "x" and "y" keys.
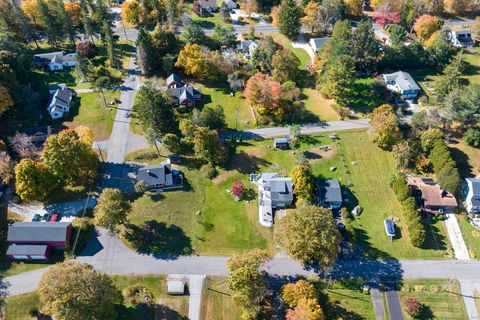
{"x": 174, "y": 78}
{"x": 27, "y": 249}
{"x": 153, "y": 175}
{"x": 280, "y": 189}
{"x": 329, "y": 190}
{"x": 403, "y": 79}
{"x": 37, "y": 231}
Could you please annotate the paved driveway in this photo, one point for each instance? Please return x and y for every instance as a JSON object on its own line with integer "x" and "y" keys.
{"x": 456, "y": 238}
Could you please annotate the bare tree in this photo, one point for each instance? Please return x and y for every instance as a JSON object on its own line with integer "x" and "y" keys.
{"x": 236, "y": 82}
{"x": 24, "y": 147}
{"x": 6, "y": 169}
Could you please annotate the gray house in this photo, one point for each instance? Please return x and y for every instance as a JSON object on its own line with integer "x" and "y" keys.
{"x": 402, "y": 83}
{"x": 161, "y": 177}
{"x": 328, "y": 193}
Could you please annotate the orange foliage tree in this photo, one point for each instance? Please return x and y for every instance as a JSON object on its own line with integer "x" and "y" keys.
{"x": 264, "y": 93}
{"x": 426, "y": 25}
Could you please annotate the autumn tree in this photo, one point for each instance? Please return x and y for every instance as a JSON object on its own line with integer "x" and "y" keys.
{"x": 85, "y": 134}
{"x": 456, "y": 6}
{"x": 247, "y": 282}
{"x": 289, "y": 18}
{"x": 303, "y": 182}
{"x": 87, "y": 49}
{"x": 33, "y": 180}
{"x": 385, "y": 129}
{"x": 264, "y": 94}
{"x": 426, "y": 25}
{"x": 172, "y": 142}
{"x": 111, "y": 210}
{"x": 238, "y": 189}
{"x": 208, "y": 146}
{"x": 23, "y": 145}
{"x": 386, "y": 14}
{"x": 354, "y": 7}
{"x": 311, "y": 19}
{"x": 293, "y": 292}
{"x": 74, "y": 12}
{"x": 192, "y": 60}
{"x": 412, "y": 306}
{"x": 285, "y": 66}
{"x": 309, "y": 234}
{"x": 250, "y": 6}
{"x": 6, "y": 169}
{"x": 75, "y": 291}
{"x": 68, "y": 158}
{"x": 306, "y": 309}
{"x": 132, "y": 12}
{"x": 30, "y": 8}
{"x": 5, "y": 100}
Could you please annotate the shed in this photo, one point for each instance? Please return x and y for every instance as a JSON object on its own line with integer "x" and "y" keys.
{"x": 175, "y": 286}
{"x": 28, "y": 251}
{"x": 281, "y": 143}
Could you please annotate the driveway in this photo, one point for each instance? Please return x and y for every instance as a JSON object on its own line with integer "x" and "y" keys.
{"x": 394, "y": 307}
{"x": 302, "y": 44}
{"x": 456, "y": 238}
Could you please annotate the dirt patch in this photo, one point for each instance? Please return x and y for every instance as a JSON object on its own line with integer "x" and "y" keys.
{"x": 224, "y": 175}
{"x": 249, "y": 160}
{"x": 258, "y": 152}
{"x": 323, "y": 152}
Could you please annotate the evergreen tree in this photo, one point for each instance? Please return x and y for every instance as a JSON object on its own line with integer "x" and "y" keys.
{"x": 65, "y": 20}
{"x": 110, "y": 40}
{"x": 365, "y": 48}
{"x": 86, "y": 22}
{"x": 289, "y": 18}
{"x": 52, "y": 23}
{"x": 145, "y": 52}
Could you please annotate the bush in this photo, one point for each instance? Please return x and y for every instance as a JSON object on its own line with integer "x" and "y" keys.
{"x": 140, "y": 187}
{"x": 449, "y": 178}
{"x": 137, "y": 294}
{"x": 412, "y": 306}
{"x": 472, "y": 137}
{"x": 238, "y": 189}
{"x": 209, "y": 171}
{"x": 87, "y": 49}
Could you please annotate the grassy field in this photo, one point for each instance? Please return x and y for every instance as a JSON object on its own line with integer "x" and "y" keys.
{"x": 301, "y": 54}
{"x": 340, "y": 302}
{"x": 466, "y": 157}
{"x": 18, "y": 307}
{"x": 92, "y": 113}
{"x": 471, "y": 237}
{"x": 441, "y": 298}
{"x": 320, "y": 106}
{"x": 217, "y": 301}
{"x": 209, "y": 221}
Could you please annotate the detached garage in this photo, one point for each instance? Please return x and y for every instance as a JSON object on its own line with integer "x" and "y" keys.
{"x": 29, "y": 252}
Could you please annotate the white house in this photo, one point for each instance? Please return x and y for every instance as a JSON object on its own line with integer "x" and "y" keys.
{"x": 462, "y": 38}
{"x": 230, "y": 4}
{"x": 55, "y": 60}
{"x": 317, "y": 43}
{"x": 59, "y": 104}
{"x": 402, "y": 83}
{"x": 248, "y": 47}
{"x": 274, "y": 192}
{"x": 471, "y": 192}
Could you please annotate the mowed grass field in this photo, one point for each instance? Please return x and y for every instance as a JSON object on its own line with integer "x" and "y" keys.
{"x": 217, "y": 301}
{"x": 208, "y": 218}
{"x": 442, "y": 298}
{"x": 471, "y": 235}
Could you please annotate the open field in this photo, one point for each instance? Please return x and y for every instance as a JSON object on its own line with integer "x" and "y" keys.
{"x": 466, "y": 157}
{"x": 209, "y": 221}
{"x": 471, "y": 236}
{"x": 340, "y": 302}
{"x": 441, "y": 298}
{"x": 217, "y": 301}
{"x": 18, "y": 307}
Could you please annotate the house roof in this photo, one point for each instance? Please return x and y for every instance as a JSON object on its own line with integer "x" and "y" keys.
{"x": 175, "y": 286}
{"x": 55, "y": 87}
{"x": 174, "y": 78}
{"x": 186, "y": 92}
{"x": 230, "y": 3}
{"x": 281, "y": 140}
{"x": 207, "y": 3}
{"x": 317, "y": 43}
{"x": 281, "y": 188}
{"x": 329, "y": 190}
{"x": 55, "y": 57}
{"x": 27, "y": 249}
{"x": 403, "y": 79}
{"x": 432, "y": 194}
{"x": 61, "y": 98}
{"x": 152, "y": 175}
{"x": 38, "y": 231}
{"x": 475, "y": 183}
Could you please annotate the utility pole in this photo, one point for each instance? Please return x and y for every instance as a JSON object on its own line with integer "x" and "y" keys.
{"x": 236, "y": 117}
{"x": 100, "y": 151}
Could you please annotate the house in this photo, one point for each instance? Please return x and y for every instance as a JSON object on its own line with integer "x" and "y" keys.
{"x": 54, "y": 87}
{"x": 328, "y": 193}
{"x": 39, "y": 134}
{"x": 174, "y": 81}
{"x": 59, "y": 104}
{"x": 248, "y": 47}
{"x": 471, "y": 193}
{"x": 402, "y": 83}
{"x": 205, "y": 6}
{"x": 317, "y": 43}
{"x": 175, "y": 286}
{"x": 461, "y": 38}
{"x": 185, "y": 96}
{"x": 281, "y": 143}
{"x": 432, "y": 198}
{"x": 54, "y": 60}
{"x": 274, "y": 192}
{"x": 160, "y": 177}
{"x": 230, "y": 4}
{"x": 37, "y": 240}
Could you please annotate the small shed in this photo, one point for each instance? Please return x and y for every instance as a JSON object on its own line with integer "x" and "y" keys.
{"x": 281, "y": 143}
{"x": 175, "y": 286}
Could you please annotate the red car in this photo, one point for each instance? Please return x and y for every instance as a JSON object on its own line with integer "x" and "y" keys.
{"x": 54, "y": 217}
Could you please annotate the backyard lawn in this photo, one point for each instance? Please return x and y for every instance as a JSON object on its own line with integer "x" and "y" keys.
{"x": 209, "y": 221}
{"x": 217, "y": 301}
{"x": 471, "y": 236}
{"x": 466, "y": 157}
{"x": 18, "y": 307}
{"x": 441, "y": 298}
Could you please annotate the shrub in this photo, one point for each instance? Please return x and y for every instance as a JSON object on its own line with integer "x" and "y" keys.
{"x": 472, "y": 137}
{"x": 140, "y": 187}
{"x": 208, "y": 171}
{"x": 87, "y": 49}
{"x": 412, "y": 306}
{"x": 238, "y": 189}
{"x": 137, "y": 294}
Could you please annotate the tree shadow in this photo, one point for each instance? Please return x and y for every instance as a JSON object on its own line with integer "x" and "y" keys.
{"x": 425, "y": 314}
{"x": 333, "y": 309}
{"x": 246, "y": 163}
{"x": 461, "y": 159}
{"x": 363, "y": 98}
{"x": 158, "y": 239}
{"x": 434, "y": 239}
{"x": 165, "y": 312}
{"x": 305, "y": 79}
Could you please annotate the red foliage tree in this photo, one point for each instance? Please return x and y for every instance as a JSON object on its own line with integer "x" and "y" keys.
{"x": 386, "y": 14}
{"x": 412, "y": 306}
{"x": 238, "y": 189}
{"x": 265, "y": 94}
{"x": 87, "y": 49}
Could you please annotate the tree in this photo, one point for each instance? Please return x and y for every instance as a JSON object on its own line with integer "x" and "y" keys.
{"x": 74, "y": 12}
{"x": 68, "y": 158}
{"x": 264, "y": 94}
{"x": 33, "y": 181}
{"x": 472, "y": 137}
{"x": 441, "y": 50}
{"x": 6, "y": 169}
{"x": 247, "y": 282}
{"x": 146, "y": 52}
{"x": 87, "y": 49}
{"x": 111, "y": 210}
{"x": 30, "y": 8}
{"x": 73, "y": 291}
{"x": 309, "y": 234}
{"x": 386, "y": 14}
{"x": 311, "y": 20}
{"x": 238, "y": 189}
{"x": 385, "y": 129}
{"x": 285, "y": 66}
{"x": 225, "y": 35}
{"x": 85, "y": 134}
{"x": 236, "y": 81}
{"x": 263, "y": 55}
{"x": 172, "y": 142}
{"x": 210, "y": 117}
{"x": 110, "y": 41}
{"x": 475, "y": 27}
{"x": 192, "y": 60}
{"x": 250, "y": 6}
{"x": 456, "y": 6}
{"x": 339, "y": 79}
{"x": 430, "y": 137}
{"x": 289, "y": 18}
{"x": 132, "y": 12}
{"x": 306, "y": 309}
{"x": 100, "y": 85}
{"x": 426, "y": 25}
{"x": 293, "y": 292}
{"x": 5, "y": 99}
{"x": 164, "y": 41}
{"x": 207, "y": 146}
{"x": 303, "y": 182}
{"x": 404, "y": 155}
{"x": 452, "y": 77}
{"x": 193, "y": 33}
{"x": 449, "y": 178}
{"x": 354, "y": 7}
{"x": 412, "y": 306}
{"x": 23, "y": 146}
{"x": 154, "y": 110}
{"x": 365, "y": 48}
{"x": 224, "y": 12}
{"x": 398, "y": 34}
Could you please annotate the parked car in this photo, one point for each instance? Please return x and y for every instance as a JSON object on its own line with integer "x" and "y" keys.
{"x": 54, "y": 217}
{"x": 36, "y": 217}
{"x": 46, "y": 217}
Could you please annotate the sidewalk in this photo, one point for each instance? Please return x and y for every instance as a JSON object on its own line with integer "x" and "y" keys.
{"x": 456, "y": 237}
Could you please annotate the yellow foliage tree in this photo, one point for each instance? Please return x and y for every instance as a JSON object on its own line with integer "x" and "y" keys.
{"x": 5, "y": 100}
{"x": 456, "y": 6}
{"x": 476, "y": 27}
{"x": 132, "y": 12}
{"x": 311, "y": 18}
{"x": 302, "y": 178}
{"x": 426, "y": 25}
{"x": 192, "y": 60}
{"x": 85, "y": 134}
{"x": 274, "y": 15}
{"x": 33, "y": 181}
{"x": 306, "y": 309}
{"x": 354, "y": 7}
{"x": 30, "y": 8}
{"x": 432, "y": 39}
{"x": 293, "y": 292}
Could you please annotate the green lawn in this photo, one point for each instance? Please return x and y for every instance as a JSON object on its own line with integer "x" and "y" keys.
{"x": 320, "y": 106}
{"x": 442, "y": 298}
{"x": 466, "y": 157}
{"x": 217, "y": 301}
{"x": 301, "y": 54}
{"x": 471, "y": 236}
{"x": 91, "y": 113}
{"x": 208, "y": 220}
{"x": 18, "y": 307}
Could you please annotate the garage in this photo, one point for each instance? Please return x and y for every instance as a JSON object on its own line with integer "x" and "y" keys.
{"x": 28, "y": 251}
